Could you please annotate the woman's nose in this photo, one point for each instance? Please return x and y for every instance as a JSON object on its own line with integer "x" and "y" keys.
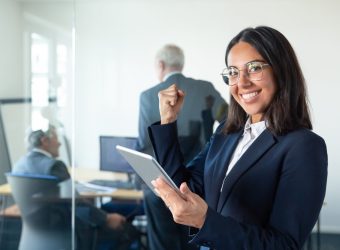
{"x": 244, "y": 79}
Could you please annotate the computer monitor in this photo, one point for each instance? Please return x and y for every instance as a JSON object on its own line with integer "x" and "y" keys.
{"x": 110, "y": 159}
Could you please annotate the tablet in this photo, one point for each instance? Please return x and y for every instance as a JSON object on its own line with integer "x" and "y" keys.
{"x": 146, "y": 167}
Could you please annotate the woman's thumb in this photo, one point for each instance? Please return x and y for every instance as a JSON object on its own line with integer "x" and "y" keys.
{"x": 184, "y": 188}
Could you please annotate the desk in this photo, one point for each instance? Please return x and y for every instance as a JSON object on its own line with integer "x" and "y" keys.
{"x": 90, "y": 174}
{"x": 5, "y": 190}
{"x": 119, "y": 194}
{"x": 84, "y": 175}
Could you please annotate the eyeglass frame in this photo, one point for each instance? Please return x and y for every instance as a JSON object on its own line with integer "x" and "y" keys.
{"x": 226, "y": 78}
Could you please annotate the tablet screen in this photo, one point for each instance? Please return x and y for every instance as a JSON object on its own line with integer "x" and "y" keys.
{"x": 145, "y": 166}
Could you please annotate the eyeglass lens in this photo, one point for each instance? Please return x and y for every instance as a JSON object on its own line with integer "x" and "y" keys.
{"x": 254, "y": 71}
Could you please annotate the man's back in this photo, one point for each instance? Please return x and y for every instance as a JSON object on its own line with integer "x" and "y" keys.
{"x": 190, "y": 119}
{"x": 38, "y": 163}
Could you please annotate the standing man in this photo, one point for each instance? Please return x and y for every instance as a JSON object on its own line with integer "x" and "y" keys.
{"x": 201, "y": 106}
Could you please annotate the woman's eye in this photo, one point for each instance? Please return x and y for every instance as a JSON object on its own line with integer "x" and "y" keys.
{"x": 254, "y": 68}
{"x": 233, "y": 72}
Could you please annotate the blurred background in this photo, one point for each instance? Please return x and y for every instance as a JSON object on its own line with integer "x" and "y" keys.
{"x": 81, "y": 66}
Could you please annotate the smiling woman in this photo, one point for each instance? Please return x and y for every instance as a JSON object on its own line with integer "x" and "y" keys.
{"x": 279, "y": 96}
{"x": 265, "y": 150}
{"x": 255, "y": 88}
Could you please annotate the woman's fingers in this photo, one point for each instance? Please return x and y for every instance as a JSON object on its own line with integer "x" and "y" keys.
{"x": 169, "y": 95}
{"x": 170, "y": 103}
{"x": 186, "y": 207}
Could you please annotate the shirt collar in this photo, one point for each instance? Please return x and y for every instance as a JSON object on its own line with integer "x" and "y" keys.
{"x": 254, "y": 128}
{"x": 170, "y": 74}
{"x": 39, "y": 150}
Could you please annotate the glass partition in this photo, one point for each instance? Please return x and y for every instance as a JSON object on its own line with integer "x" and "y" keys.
{"x": 54, "y": 192}
{"x": 36, "y": 100}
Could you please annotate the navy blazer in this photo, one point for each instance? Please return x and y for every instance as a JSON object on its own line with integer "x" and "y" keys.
{"x": 271, "y": 198}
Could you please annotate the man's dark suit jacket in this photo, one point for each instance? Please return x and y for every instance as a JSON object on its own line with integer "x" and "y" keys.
{"x": 271, "y": 198}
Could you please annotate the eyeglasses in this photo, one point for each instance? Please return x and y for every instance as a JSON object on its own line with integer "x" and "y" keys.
{"x": 254, "y": 72}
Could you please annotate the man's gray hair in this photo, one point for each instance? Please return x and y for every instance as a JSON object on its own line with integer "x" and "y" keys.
{"x": 172, "y": 56}
{"x": 34, "y": 137}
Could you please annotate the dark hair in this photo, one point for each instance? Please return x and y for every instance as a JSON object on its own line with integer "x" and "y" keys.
{"x": 288, "y": 110}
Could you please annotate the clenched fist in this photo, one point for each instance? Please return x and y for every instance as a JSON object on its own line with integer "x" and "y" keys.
{"x": 170, "y": 103}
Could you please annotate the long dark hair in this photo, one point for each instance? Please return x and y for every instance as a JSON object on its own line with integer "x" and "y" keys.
{"x": 288, "y": 110}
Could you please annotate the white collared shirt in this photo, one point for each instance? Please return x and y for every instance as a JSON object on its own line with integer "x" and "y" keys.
{"x": 170, "y": 74}
{"x": 250, "y": 133}
{"x": 39, "y": 150}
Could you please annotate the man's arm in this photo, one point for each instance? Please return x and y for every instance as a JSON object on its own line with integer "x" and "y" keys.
{"x": 144, "y": 121}
{"x": 60, "y": 171}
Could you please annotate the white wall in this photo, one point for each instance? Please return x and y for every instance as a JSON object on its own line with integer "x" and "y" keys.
{"x": 11, "y": 69}
{"x": 116, "y": 42}
{"x": 11, "y": 76}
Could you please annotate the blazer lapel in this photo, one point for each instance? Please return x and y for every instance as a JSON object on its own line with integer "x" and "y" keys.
{"x": 215, "y": 180}
{"x": 254, "y": 152}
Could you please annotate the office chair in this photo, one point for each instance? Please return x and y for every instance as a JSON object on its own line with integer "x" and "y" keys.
{"x": 44, "y": 225}
{"x": 46, "y": 218}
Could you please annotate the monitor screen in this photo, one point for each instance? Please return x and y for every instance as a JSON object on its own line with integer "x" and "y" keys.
{"x": 110, "y": 159}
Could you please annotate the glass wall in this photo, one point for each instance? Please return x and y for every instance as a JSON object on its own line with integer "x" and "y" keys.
{"x": 49, "y": 155}
{"x": 36, "y": 100}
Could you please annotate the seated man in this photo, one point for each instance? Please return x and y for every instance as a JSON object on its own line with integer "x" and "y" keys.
{"x": 41, "y": 159}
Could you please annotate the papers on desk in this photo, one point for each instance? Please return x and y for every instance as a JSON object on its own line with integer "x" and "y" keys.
{"x": 85, "y": 187}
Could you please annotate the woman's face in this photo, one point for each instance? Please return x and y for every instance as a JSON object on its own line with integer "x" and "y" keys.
{"x": 254, "y": 96}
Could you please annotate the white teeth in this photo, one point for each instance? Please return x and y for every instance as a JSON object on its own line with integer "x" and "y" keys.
{"x": 249, "y": 95}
